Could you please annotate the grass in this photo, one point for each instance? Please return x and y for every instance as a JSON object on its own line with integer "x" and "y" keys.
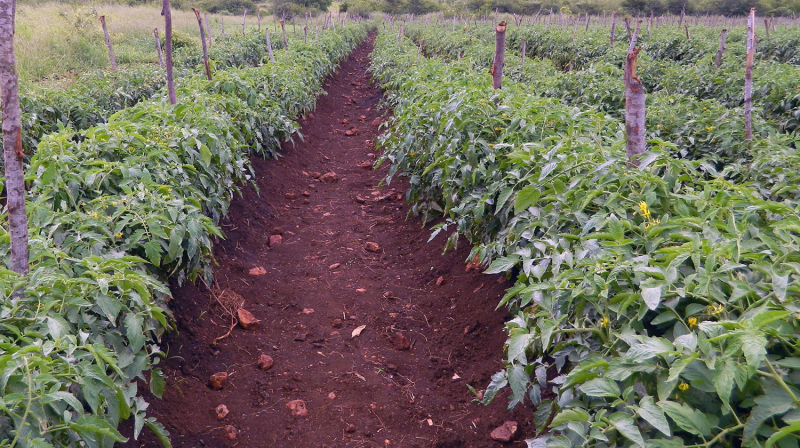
{"x": 55, "y": 42}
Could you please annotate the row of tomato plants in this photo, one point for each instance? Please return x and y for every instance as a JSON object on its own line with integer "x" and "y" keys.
{"x": 94, "y": 96}
{"x": 113, "y": 210}
{"x": 653, "y": 306}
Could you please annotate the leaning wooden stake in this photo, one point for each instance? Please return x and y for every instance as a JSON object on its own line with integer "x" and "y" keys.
{"x": 285, "y": 41}
{"x": 499, "y": 55}
{"x": 269, "y": 45}
{"x": 634, "y": 104}
{"x": 167, "y": 13}
{"x": 524, "y": 42}
{"x": 203, "y": 40}
{"x": 111, "y": 49}
{"x": 748, "y": 75}
{"x": 12, "y": 143}
{"x": 613, "y": 28}
{"x": 686, "y": 27}
{"x": 158, "y": 47}
{"x": 722, "y": 36}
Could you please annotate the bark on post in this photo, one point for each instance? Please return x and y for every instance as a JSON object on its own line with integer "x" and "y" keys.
{"x": 269, "y": 45}
{"x": 748, "y": 75}
{"x": 499, "y": 55}
{"x": 613, "y": 28}
{"x": 634, "y": 104}
{"x": 686, "y": 27}
{"x": 12, "y": 142}
{"x": 683, "y": 14}
{"x": 167, "y": 13}
{"x": 111, "y": 48}
{"x": 628, "y": 28}
{"x": 400, "y": 33}
{"x": 203, "y": 40}
{"x": 419, "y": 50}
{"x": 587, "y": 22}
{"x": 244, "y": 16}
{"x": 222, "y": 21}
{"x": 305, "y": 34}
{"x": 285, "y": 41}
{"x": 524, "y": 43}
{"x": 258, "y": 19}
{"x": 766, "y": 27}
{"x": 722, "y": 36}
{"x": 158, "y": 47}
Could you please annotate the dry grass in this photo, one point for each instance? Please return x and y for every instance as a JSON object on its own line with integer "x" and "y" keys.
{"x": 60, "y": 40}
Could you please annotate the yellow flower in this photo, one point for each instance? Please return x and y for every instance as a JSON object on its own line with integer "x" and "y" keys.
{"x": 119, "y": 235}
{"x": 683, "y": 386}
{"x": 114, "y": 203}
{"x": 604, "y": 322}
{"x": 643, "y": 208}
{"x": 94, "y": 215}
{"x": 709, "y": 128}
{"x": 692, "y": 322}
{"x": 715, "y": 309}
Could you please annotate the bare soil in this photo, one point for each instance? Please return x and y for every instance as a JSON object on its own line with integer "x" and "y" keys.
{"x": 429, "y": 327}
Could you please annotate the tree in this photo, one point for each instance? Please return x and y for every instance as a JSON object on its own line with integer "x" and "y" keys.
{"x": 12, "y": 141}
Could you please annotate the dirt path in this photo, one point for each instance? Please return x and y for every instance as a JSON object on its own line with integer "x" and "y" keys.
{"x": 320, "y": 285}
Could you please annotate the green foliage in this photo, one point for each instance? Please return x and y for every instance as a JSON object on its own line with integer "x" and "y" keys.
{"x": 115, "y": 209}
{"x": 659, "y": 304}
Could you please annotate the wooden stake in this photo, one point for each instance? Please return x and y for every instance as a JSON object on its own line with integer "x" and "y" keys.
{"x": 722, "y": 36}
{"x": 203, "y": 40}
{"x": 524, "y": 42}
{"x": 613, "y": 27}
{"x": 111, "y": 49}
{"x": 499, "y": 55}
{"x": 683, "y": 14}
{"x": 167, "y": 13}
{"x": 258, "y": 18}
{"x": 285, "y": 41}
{"x": 269, "y": 45}
{"x": 12, "y": 143}
{"x": 400, "y": 34}
{"x": 634, "y": 104}
{"x": 766, "y": 27}
{"x": 628, "y": 28}
{"x": 686, "y": 27}
{"x": 158, "y": 47}
{"x": 244, "y": 16}
{"x": 305, "y": 34}
{"x": 222, "y": 20}
{"x": 748, "y": 75}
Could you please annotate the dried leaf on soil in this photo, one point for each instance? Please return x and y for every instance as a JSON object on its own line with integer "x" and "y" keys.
{"x": 358, "y": 331}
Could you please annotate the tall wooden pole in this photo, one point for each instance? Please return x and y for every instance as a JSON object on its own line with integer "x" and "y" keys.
{"x": 524, "y": 43}
{"x": 258, "y": 18}
{"x": 203, "y": 39}
{"x": 244, "y": 16}
{"x": 167, "y": 13}
{"x": 613, "y": 28}
{"x": 158, "y": 47}
{"x": 12, "y": 142}
{"x": 269, "y": 45}
{"x": 722, "y": 37}
{"x": 285, "y": 42}
{"x": 634, "y": 104}
{"x": 108, "y": 43}
{"x": 499, "y": 55}
{"x": 748, "y": 75}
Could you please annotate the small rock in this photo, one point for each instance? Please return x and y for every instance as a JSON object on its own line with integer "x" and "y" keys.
{"x": 306, "y": 193}
{"x": 222, "y": 411}
{"x": 504, "y": 432}
{"x": 351, "y": 428}
{"x": 308, "y": 310}
{"x": 376, "y": 122}
{"x": 361, "y": 290}
{"x": 362, "y": 118}
{"x": 331, "y": 396}
{"x": 265, "y": 362}
{"x": 275, "y": 240}
{"x": 291, "y": 196}
{"x": 334, "y": 266}
{"x": 277, "y": 231}
{"x": 217, "y": 381}
{"x": 337, "y": 323}
{"x": 440, "y": 281}
{"x": 346, "y": 121}
{"x": 258, "y": 270}
{"x": 316, "y": 174}
{"x": 231, "y": 432}
{"x": 329, "y": 177}
{"x": 372, "y": 247}
{"x": 298, "y": 408}
{"x": 246, "y": 319}
{"x": 400, "y": 342}
{"x": 306, "y": 201}
{"x": 352, "y": 132}
{"x": 301, "y": 337}
{"x": 365, "y": 165}
{"x": 360, "y": 200}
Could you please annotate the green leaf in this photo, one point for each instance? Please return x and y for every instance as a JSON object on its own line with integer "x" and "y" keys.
{"x": 779, "y": 284}
{"x": 503, "y": 198}
{"x": 791, "y": 429}
{"x": 161, "y": 433}
{"x": 157, "y": 382}
{"x": 774, "y": 402}
{"x": 526, "y": 198}
{"x": 95, "y": 425}
{"x": 502, "y": 264}
{"x": 754, "y": 347}
{"x": 624, "y": 424}
{"x": 615, "y": 228}
{"x": 153, "y": 252}
{"x": 652, "y": 296}
{"x": 134, "y": 331}
{"x": 724, "y": 376}
{"x": 570, "y": 415}
{"x": 205, "y": 154}
{"x": 654, "y": 415}
{"x": 518, "y": 379}
{"x": 689, "y": 419}
{"x": 600, "y": 387}
{"x": 499, "y": 381}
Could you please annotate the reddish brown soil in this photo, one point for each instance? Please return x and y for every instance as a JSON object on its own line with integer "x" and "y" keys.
{"x": 403, "y": 398}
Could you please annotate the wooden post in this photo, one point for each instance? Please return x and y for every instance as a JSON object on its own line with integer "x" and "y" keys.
{"x": 400, "y": 34}
{"x": 722, "y": 36}
{"x": 258, "y": 18}
{"x": 305, "y": 34}
{"x": 650, "y": 23}
{"x": 748, "y": 75}
{"x": 499, "y": 55}
{"x": 587, "y": 22}
{"x": 766, "y": 27}
{"x": 111, "y": 49}
{"x": 285, "y": 41}
{"x": 628, "y": 28}
{"x": 634, "y": 104}
{"x": 244, "y": 16}
{"x": 613, "y": 28}
{"x": 524, "y": 42}
{"x": 158, "y": 47}
{"x": 269, "y": 45}
{"x": 419, "y": 50}
{"x": 12, "y": 143}
{"x": 686, "y": 27}
{"x": 203, "y": 40}
{"x": 222, "y": 20}
{"x": 683, "y": 14}
{"x": 167, "y": 13}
